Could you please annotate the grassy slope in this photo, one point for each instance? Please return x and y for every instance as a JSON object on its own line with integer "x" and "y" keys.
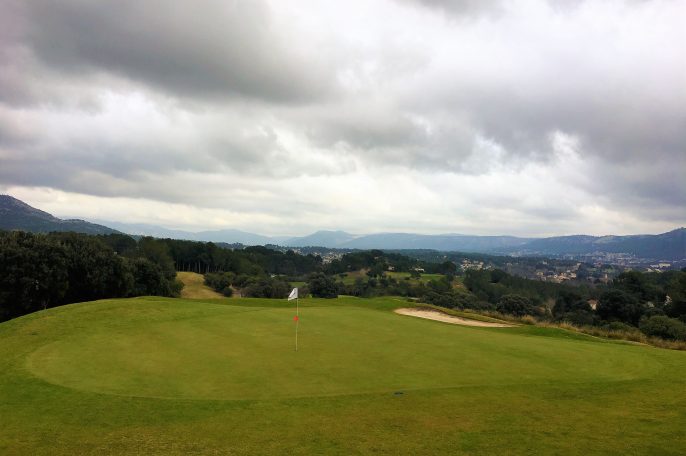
{"x": 153, "y": 375}
{"x": 194, "y": 287}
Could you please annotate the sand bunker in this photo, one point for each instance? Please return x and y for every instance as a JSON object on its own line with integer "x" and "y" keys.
{"x": 440, "y": 316}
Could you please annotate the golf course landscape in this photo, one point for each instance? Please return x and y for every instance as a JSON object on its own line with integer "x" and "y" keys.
{"x": 220, "y": 376}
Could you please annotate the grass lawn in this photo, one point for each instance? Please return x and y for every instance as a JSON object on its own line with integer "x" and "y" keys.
{"x": 175, "y": 376}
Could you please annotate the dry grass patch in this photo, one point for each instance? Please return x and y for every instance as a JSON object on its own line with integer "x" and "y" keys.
{"x": 194, "y": 287}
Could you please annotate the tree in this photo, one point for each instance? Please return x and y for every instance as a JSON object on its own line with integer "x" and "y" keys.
{"x": 158, "y": 252}
{"x": 148, "y": 279}
{"x": 676, "y": 290}
{"x": 33, "y": 274}
{"x": 515, "y": 305}
{"x": 570, "y": 301}
{"x": 618, "y": 305}
{"x": 322, "y": 286}
{"x": 448, "y": 267}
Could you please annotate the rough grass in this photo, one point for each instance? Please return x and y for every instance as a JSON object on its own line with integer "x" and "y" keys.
{"x": 630, "y": 335}
{"x": 174, "y": 376}
{"x": 350, "y": 277}
{"x": 194, "y": 287}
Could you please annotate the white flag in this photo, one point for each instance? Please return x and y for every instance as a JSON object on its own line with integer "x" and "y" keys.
{"x": 293, "y": 295}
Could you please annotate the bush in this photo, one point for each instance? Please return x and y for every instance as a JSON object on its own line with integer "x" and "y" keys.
{"x": 322, "y": 286}
{"x": 451, "y": 299}
{"x": 266, "y": 287}
{"x": 515, "y": 305}
{"x": 578, "y": 318}
{"x": 664, "y": 327}
{"x": 619, "y": 326}
{"x": 219, "y": 281}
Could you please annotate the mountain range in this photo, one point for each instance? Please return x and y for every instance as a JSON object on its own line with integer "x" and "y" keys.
{"x": 15, "y": 214}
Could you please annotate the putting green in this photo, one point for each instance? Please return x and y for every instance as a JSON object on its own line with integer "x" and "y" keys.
{"x": 173, "y": 376}
{"x": 214, "y": 351}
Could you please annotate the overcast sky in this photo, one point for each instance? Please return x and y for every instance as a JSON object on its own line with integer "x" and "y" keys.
{"x": 428, "y": 116}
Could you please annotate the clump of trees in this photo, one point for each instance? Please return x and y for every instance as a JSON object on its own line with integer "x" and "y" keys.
{"x": 38, "y": 271}
{"x": 655, "y": 303}
{"x": 322, "y": 286}
{"x": 517, "y": 305}
{"x": 260, "y": 286}
{"x": 573, "y": 307}
{"x": 221, "y": 282}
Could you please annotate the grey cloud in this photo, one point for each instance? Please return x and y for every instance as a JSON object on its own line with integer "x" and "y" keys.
{"x": 122, "y": 164}
{"x": 460, "y": 7}
{"x": 202, "y": 49}
{"x": 243, "y": 79}
{"x": 386, "y": 135}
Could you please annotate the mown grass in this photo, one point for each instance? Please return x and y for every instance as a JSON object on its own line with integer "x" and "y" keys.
{"x": 175, "y": 376}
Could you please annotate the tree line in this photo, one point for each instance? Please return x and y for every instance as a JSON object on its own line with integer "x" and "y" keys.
{"x": 653, "y": 302}
{"x": 38, "y": 271}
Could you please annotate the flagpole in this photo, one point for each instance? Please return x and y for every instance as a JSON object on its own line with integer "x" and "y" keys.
{"x": 297, "y": 313}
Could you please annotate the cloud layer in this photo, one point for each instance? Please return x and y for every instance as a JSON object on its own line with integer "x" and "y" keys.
{"x": 425, "y": 116}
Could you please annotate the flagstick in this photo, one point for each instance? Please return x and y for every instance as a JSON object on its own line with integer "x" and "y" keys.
{"x": 297, "y": 313}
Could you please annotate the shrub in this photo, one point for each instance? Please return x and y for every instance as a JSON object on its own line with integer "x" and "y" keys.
{"x": 515, "y": 305}
{"x": 266, "y": 287}
{"x": 664, "y": 327}
{"x": 451, "y": 299}
{"x": 619, "y": 326}
{"x": 578, "y": 318}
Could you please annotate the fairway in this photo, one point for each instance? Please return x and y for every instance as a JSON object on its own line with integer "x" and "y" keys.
{"x": 155, "y": 375}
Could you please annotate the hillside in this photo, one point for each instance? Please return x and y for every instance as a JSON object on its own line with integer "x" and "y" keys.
{"x": 667, "y": 246}
{"x": 443, "y": 242}
{"x": 322, "y": 238}
{"x": 229, "y": 236}
{"x": 17, "y": 215}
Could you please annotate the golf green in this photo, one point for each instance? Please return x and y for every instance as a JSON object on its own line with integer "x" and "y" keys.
{"x": 223, "y": 376}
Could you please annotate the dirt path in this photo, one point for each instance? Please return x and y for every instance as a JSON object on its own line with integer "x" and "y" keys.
{"x": 440, "y": 316}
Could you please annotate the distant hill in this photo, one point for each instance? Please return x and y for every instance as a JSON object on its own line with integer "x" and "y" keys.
{"x": 332, "y": 239}
{"x": 17, "y": 215}
{"x": 229, "y": 236}
{"x": 667, "y": 246}
{"x": 444, "y": 242}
